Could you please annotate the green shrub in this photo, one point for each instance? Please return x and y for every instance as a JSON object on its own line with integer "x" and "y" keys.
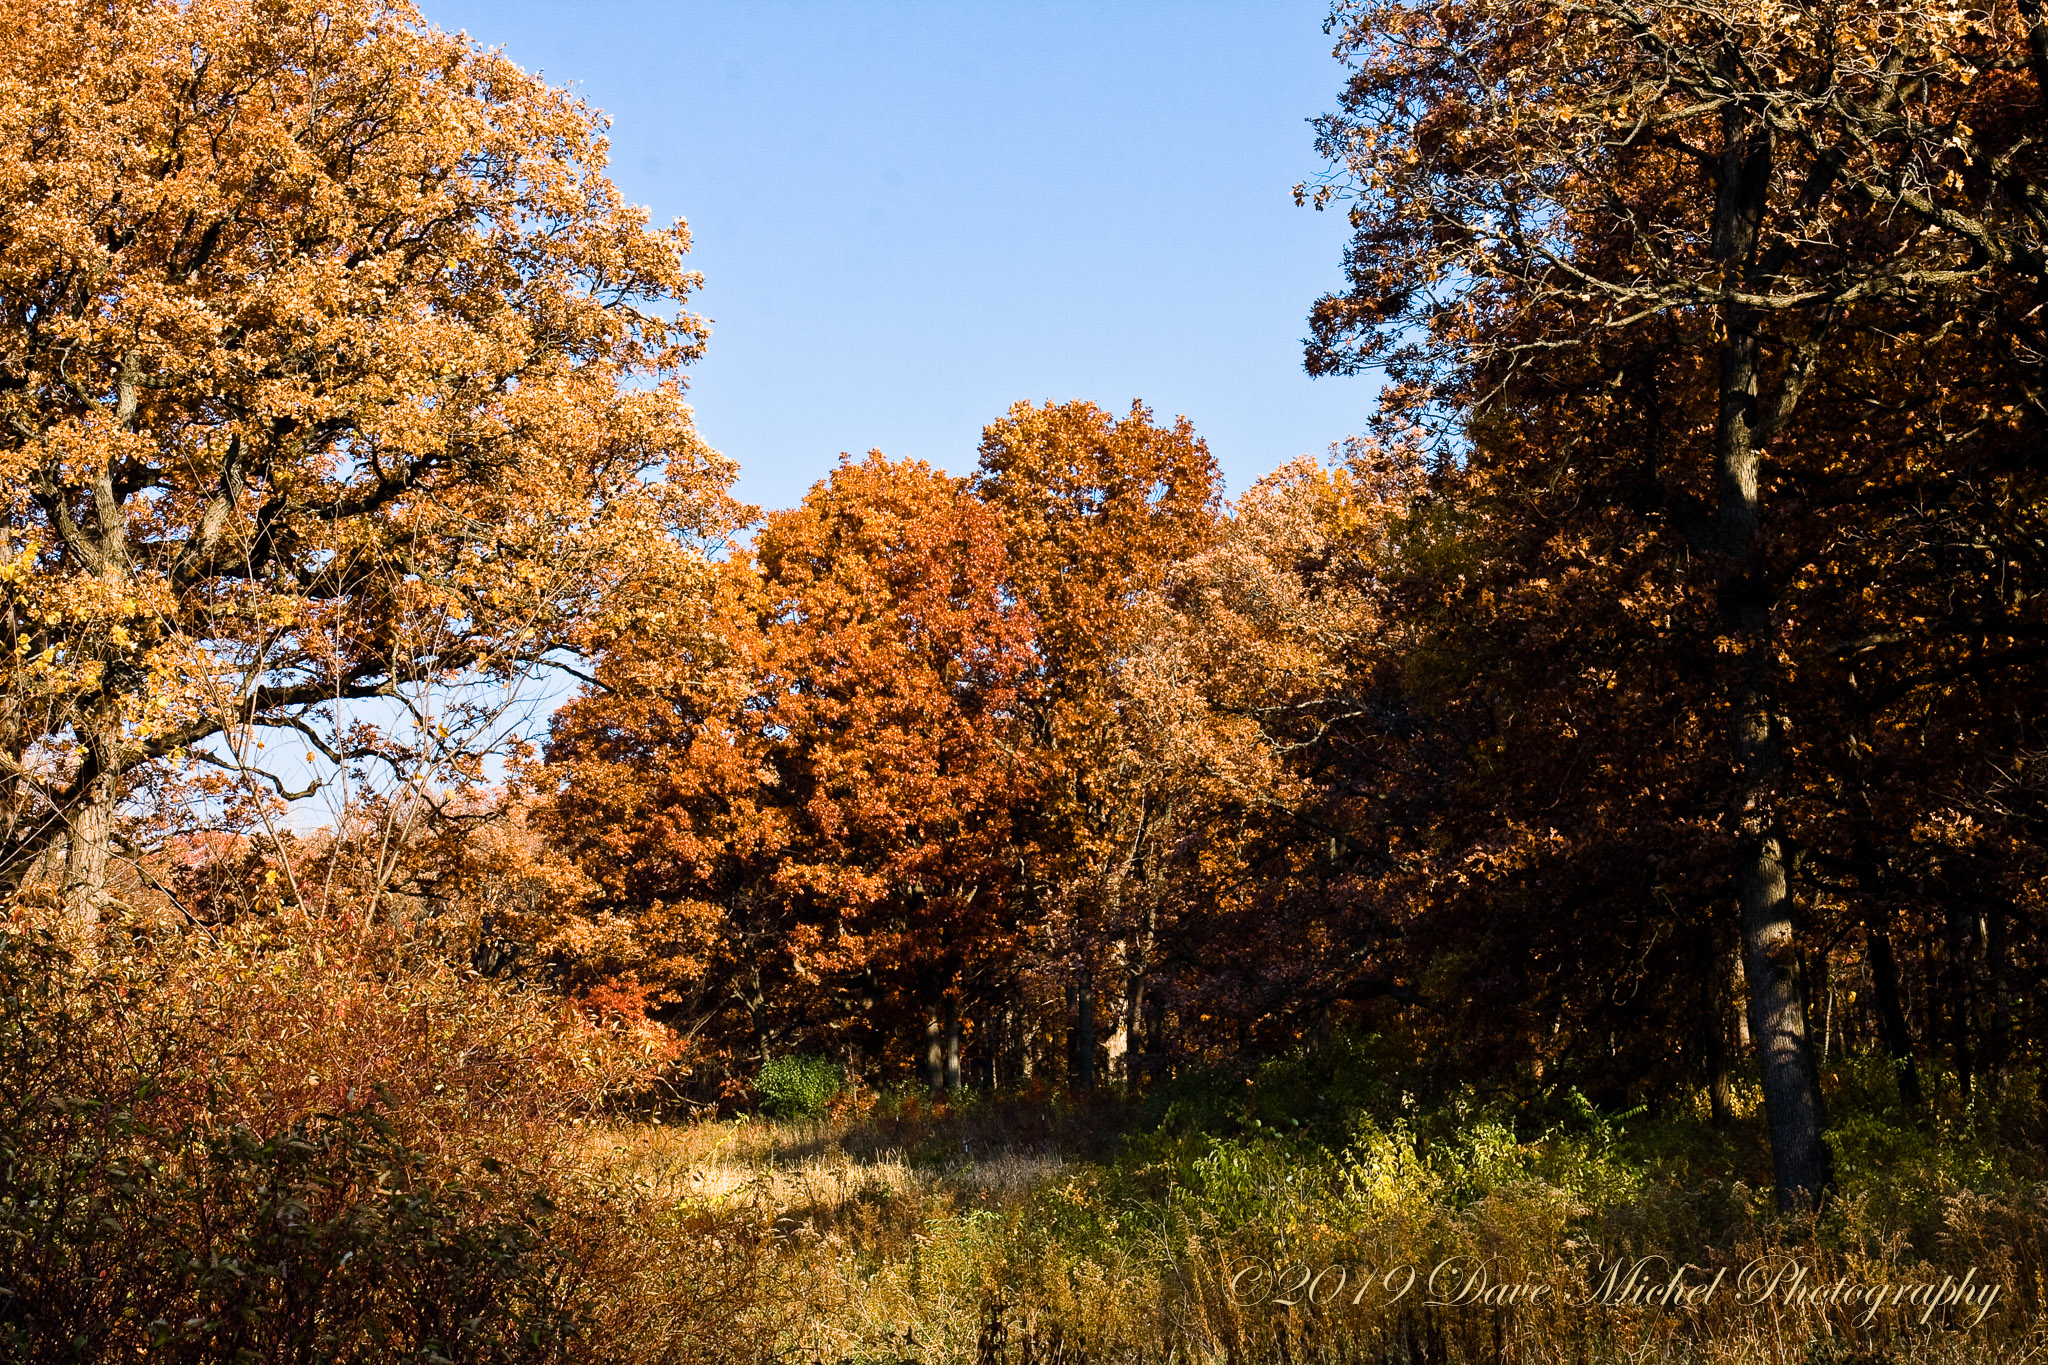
{"x": 798, "y": 1087}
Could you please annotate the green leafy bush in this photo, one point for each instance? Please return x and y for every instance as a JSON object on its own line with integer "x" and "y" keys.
{"x": 798, "y": 1087}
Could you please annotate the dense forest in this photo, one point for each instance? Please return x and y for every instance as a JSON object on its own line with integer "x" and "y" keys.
{"x": 1645, "y": 707}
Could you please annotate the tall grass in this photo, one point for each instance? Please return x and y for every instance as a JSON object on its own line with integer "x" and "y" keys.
{"x": 279, "y": 1141}
{"x": 927, "y": 1239}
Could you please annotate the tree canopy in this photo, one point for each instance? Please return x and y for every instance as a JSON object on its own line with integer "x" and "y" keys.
{"x": 1644, "y": 705}
{"x": 332, "y": 361}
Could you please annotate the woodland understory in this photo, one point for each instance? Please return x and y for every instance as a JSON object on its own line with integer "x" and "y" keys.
{"x": 1594, "y": 815}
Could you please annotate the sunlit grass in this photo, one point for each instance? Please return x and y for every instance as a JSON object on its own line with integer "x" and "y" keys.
{"x": 901, "y": 1229}
{"x": 893, "y": 1244}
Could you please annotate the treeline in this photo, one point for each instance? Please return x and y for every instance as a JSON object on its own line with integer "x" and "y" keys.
{"x": 1649, "y": 699}
{"x": 1063, "y": 771}
{"x": 1654, "y": 695}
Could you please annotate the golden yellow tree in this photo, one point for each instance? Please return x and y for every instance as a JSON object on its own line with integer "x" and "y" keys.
{"x": 330, "y": 361}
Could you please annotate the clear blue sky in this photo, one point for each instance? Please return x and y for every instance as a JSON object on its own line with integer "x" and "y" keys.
{"x": 910, "y": 216}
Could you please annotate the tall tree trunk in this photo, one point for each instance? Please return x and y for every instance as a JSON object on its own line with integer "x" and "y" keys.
{"x": 1884, "y": 968}
{"x": 1770, "y": 957}
{"x": 934, "y": 1055}
{"x": 1826, "y": 991}
{"x": 1001, "y": 1059}
{"x": 1777, "y": 1005}
{"x": 1156, "y": 1040}
{"x": 1998, "y": 1038}
{"x": 1891, "y": 1015}
{"x": 1777, "y": 1013}
{"x": 1962, "y": 995}
{"x": 1137, "y": 962}
{"x": 1714, "y": 1031}
{"x": 1800, "y": 1160}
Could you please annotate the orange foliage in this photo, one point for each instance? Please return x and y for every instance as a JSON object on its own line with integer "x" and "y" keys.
{"x": 809, "y": 827}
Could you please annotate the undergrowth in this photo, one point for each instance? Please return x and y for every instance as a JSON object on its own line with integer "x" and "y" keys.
{"x": 285, "y": 1142}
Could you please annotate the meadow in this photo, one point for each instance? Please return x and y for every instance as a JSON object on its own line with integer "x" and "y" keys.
{"x": 251, "y": 1148}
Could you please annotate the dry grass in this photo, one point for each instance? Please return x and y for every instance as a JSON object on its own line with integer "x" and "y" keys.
{"x": 1023, "y": 1231}
{"x": 825, "y": 1165}
{"x": 881, "y": 1242}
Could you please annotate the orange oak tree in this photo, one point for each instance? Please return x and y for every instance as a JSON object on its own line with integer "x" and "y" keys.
{"x": 826, "y": 820}
{"x": 332, "y": 362}
{"x": 1094, "y": 509}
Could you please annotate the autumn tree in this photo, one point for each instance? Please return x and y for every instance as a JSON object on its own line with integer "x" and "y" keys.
{"x": 831, "y": 814}
{"x": 1698, "y": 244}
{"x": 1265, "y": 694}
{"x": 333, "y": 363}
{"x": 1094, "y": 508}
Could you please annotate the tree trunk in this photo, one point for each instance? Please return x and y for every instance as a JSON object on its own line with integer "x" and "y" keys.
{"x": 1777, "y": 1021}
{"x": 1884, "y": 970}
{"x": 1137, "y": 962}
{"x": 1000, "y": 1062}
{"x": 88, "y": 846}
{"x": 1770, "y": 957}
{"x": 1998, "y": 1039}
{"x": 1891, "y": 1016}
{"x": 1714, "y": 1032}
{"x": 755, "y": 999}
{"x": 934, "y": 1055}
{"x": 1156, "y": 1041}
{"x": 1738, "y": 985}
{"x": 1823, "y": 977}
{"x": 952, "y": 1065}
{"x": 1962, "y": 995}
{"x": 1777, "y": 1006}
